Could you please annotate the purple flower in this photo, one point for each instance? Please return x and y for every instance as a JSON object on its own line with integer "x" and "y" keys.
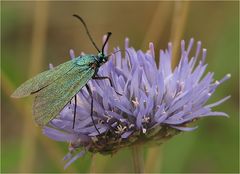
{"x": 157, "y": 102}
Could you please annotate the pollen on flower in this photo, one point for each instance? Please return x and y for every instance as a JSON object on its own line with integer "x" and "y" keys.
{"x": 157, "y": 101}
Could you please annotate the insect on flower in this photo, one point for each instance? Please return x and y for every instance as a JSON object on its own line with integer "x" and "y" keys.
{"x": 157, "y": 101}
{"x": 54, "y": 88}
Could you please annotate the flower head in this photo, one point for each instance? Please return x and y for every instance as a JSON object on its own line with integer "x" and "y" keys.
{"x": 157, "y": 102}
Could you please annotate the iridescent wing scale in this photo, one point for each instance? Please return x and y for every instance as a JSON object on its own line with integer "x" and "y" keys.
{"x": 56, "y": 87}
{"x": 51, "y": 99}
{"x": 42, "y": 80}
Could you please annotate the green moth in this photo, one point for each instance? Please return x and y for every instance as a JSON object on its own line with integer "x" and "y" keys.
{"x": 54, "y": 88}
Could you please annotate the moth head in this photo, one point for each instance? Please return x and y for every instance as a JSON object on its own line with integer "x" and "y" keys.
{"x": 102, "y": 58}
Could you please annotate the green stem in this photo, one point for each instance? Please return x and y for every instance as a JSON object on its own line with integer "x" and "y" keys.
{"x": 138, "y": 161}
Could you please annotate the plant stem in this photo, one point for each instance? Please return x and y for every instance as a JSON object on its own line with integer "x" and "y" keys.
{"x": 138, "y": 161}
{"x": 93, "y": 164}
{"x": 154, "y": 159}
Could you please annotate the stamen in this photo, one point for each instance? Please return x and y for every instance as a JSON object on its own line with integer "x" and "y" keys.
{"x": 120, "y": 129}
{"x": 146, "y": 119}
{"x": 131, "y": 125}
{"x": 108, "y": 117}
{"x": 135, "y": 102}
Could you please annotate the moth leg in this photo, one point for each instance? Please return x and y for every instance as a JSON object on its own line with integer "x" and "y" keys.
{"x": 70, "y": 102}
{"x": 75, "y": 111}
{"x": 90, "y": 93}
{"x": 104, "y": 78}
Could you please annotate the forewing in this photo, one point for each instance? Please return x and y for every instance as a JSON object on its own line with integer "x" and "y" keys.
{"x": 42, "y": 80}
{"x": 52, "y": 99}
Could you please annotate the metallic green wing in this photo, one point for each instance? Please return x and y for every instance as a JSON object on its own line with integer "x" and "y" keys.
{"x": 42, "y": 80}
{"x": 52, "y": 99}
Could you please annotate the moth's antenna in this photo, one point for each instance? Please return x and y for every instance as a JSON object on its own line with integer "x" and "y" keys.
{"x": 108, "y": 36}
{"x": 85, "y": 26}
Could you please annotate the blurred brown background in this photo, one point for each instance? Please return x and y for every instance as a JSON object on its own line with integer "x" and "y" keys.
{"x": 34, "y": 34}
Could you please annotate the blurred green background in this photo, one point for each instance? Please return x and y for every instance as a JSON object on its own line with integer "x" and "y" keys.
{"x": 34, "y": 34}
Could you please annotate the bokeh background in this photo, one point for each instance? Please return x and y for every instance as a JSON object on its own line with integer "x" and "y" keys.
{"x": 34, "y": 34}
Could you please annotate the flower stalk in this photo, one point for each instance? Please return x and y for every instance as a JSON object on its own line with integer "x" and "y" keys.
{"x": 93, "y": 164}
{"x": 138, "y": 158}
